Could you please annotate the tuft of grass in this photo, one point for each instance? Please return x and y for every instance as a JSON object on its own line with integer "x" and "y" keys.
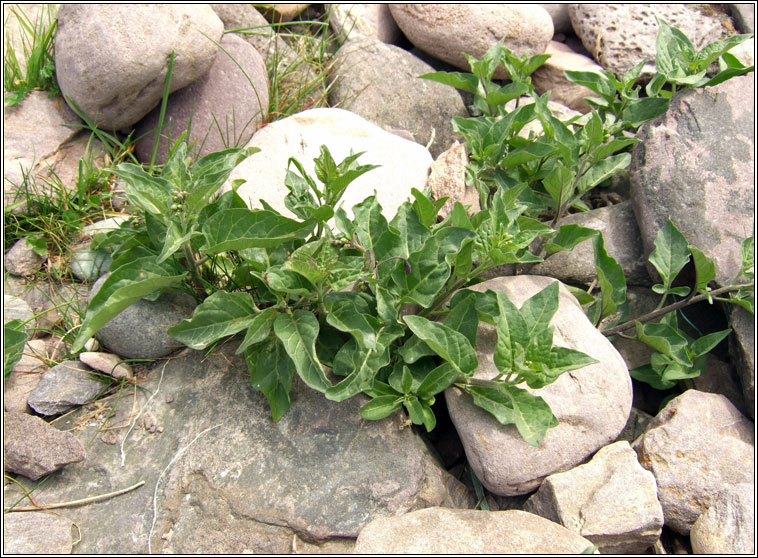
{"x": 34, "y": 68}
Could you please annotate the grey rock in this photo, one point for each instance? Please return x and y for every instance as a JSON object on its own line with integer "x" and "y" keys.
{"x": 621, "y": 238}
{"x": 719, "y": 377}
{"x": 140, "y": 330}
{"x": 560, "y": 15}
{"x": 51, "y": 302}
{"x": 551, "y": 77}
{"x": 34, "y": 448}
{"x": 88, "y": 265}
{"x": 444, "y": 531}
{"x": 403, "y": 164}
{"x": 695, "y": 165}
{"x": 592, "y": 404}
{"x": 36, "y": 533}
{"x": 356, "y": 21}
{"x": 744, "y": 17}
{"x": 697, "y": 444}
{"x": 635, "y": 426}
{"x": 380, "y": 83}
{"x": 21, "y": 260}
{"x": 15, "y": 308}
{"x": 742, "y": 351}
{"x": 446, "y": 31}
{"x": 728, "y": 527}
{"x": 618, "y": 36}
{"x": 63, "y": 387}
{"x": 221, "y": 109}
{"x": 611, "y": 501}
{"x": 114, "y": 79}
{"x": 240, "y": 482}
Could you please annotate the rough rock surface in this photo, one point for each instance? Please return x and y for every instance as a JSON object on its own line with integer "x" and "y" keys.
{"x": 404, "y": 164}
{"x": 63, "y": 387}
{"x": 380, "y": 83}
{"x": 446, "y": 31}
{"x": 695, "y": 165}
{"x": 697, "y": 444}
{"x": 618, "y": 36}
{"x": 742, "y": 349}
{"x": 21, "y": 260}
{"x": 238, "y": 481}
{"x": 33, "y": 448}
{"x": 447, "y": 179}
{"x": 611, "y": 501}
{"x": 444, "y": 531}
{"x": 550, "y": 76}
{"x": 354, "y": 21}
{"x": 592, "y": 404}
{"x": 118, "y": 93}
{"x": 224, "y": 107}
{"x": 728, "y": 527}
{"x": 36, "y": 533}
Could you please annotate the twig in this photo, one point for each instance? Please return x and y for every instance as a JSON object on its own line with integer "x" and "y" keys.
{"x": 74, "y": 503}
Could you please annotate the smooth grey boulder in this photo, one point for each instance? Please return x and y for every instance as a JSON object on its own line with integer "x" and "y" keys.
{"x": 619, "y": 36}
{"x": 695, "y": 446}
{"x": 695, "y": 165}
{"x": 112, "y": 59}
{"x": 221, "y": 109}
{"x": 403, "y": 164}
{"x": 456, "y": 532}
{"x": 235, "y": 481}
{"x": 37, "y": 533}
{"x": 34, "y": 448}
{"x": 728, "y": 527}
{"x": 380, "y": 83}
{"x": 592, "y": 404}
{"x": 140, "y": 330}
{"x": 66, "y": 385}
{"x": 611, "y": 501}
{"x": 621, "y": 238}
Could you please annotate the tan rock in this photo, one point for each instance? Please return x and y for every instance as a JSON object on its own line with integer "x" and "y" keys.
{"x": 108, "y": 363}
{"x": 551, "y": 77}
{"x": 447, "y": 178}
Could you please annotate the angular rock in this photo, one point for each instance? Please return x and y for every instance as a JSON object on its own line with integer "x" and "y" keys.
{"x": 745, "y": 52}
{"x": 357, "y": 21}
{"x": 140, "y": 330}
{"x": 444, "y": 531}
{"x": 728, "y": 527}
{"x": 621, "y": 238}
{"x": 592, "y": 404}
{"x": 447, "y": 178}
{"x": 618, "y": 36}
{"x": 108, "y": 363}
{"x": 695, "y": 165}
{"x": 404, "y": 164}
{"x": 742, "y": 351}
{"x": 611, "y": 501}
{"x": 240, "y": 482}
{"x": 63, "y": 387}
{"x": 697, "y": 444}
{"x": 551, "y": 77}
{"x": 446, "y": 31}
{"x": 34, "y": 448}
{"x": 719, "y": 377}
{"x": 744, "y": 17}
{"x": 116, "y": 80}
{"x": 221, "y": 109}
{"x": 17, "y": 387}
{"x": 21, "y": 260}
{"x": 380, "y": 83}
{"x": 36, "y": 533}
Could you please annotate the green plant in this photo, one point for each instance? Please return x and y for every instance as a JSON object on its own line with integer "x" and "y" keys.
{"x": 14, "y": 339}
{"x": 36, "y": 70}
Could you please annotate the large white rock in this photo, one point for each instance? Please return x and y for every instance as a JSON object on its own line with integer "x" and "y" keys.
{"x": 112, "y": 59}
{"x": 592, "y": 404}
{"x": 446, "y": 31}
{"x": 404, "y": 164}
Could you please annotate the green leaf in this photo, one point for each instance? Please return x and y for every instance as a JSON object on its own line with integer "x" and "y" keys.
{"x": 218, "y": 316}
{"x": 539, "y": 309}
{"x": 451, "y": 345}
{"x": 150, "y": 193}
{"x": 365, "y": 364}
{"x": 671, "y": 253}
{"x": 664, "y": 339}
{"x": 648, "y": 375}
{"x": 381, "y": 407}
{"x": 298, "y": 331}
{"x": 123, "y": 287}
{"x": 415, "y": 410}
{"x": 349, "y": 312}
{"x": 459, "y": 80}
{"x": 594, "y": 81}
{"x": 412, "y": 233}
{"x": 512, "y": 333}
{"x": 237, "y": 229}
{"x": 568, "y": 237}
{"x": 463, "y": 316}
{"x": 706, "y": 343}
{"x": 271, "y": 372}
{"x": 612, "y": 281}
{"x": 427, "y": 275}
{"x": 258, "y": 329}
{"x": 209, "y": 174}
{"x": 748, "y": 257}
{"x": 642, "y": 110}
{"x": 512, "y": 405}
{"x": 14, "y": 339}
{"x": 705, "y": 269}
{"x": 438, "y": 380}
{"x": 38, "y": 244}
{"x": 373, "y": 230}
{"x": 603, "y": 170}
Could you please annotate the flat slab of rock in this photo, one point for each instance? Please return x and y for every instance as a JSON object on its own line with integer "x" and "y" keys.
{"x": 611, "y": 501}
{"x": 34, "y": 448}
{"x": 240, "y": 482}
{"x": 36, "y": 533}
{"x": 404, "y": 164}
{"x": 63, "y": 387}
{"x": 695, "y": 446}
{"x": 592, "y": 404}
{"x": 696, "y": 166}
{"x": 445, "y": 531}
{"x": 107, "y": 362}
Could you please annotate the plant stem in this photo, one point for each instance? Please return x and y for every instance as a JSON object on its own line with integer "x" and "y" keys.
{"x": 671, "y": 307}
{"x": 189, "y": 256}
